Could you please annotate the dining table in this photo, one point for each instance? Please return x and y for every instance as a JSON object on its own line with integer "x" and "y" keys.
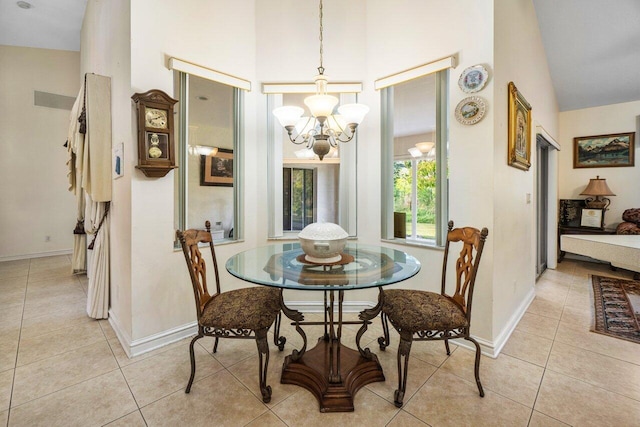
{"x": 331, "y": 370}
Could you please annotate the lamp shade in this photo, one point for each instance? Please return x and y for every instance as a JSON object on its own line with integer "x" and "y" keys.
{"x": 425, "y": 147}
{"x": 321, "y": 105}
{"x": 353, "y": 113}
{"x": 288, "y": 115}
{"x": 597, "y": 187}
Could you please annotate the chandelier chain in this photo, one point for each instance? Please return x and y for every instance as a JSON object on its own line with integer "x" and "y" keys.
{"x": 321, "y": 68}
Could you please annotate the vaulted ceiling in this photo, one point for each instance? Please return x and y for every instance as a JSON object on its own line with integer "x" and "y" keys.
{"x": 592, "y": 46}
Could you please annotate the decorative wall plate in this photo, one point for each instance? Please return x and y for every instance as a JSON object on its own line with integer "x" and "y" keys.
{"x": 473, "y": 79}
{"x": 470, "y": 110}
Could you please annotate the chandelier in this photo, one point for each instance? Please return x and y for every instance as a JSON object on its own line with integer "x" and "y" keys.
{"x": 322, "y": 130}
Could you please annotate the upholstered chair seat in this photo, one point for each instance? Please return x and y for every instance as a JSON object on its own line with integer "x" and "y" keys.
{"x": 412, "y": 310}
{"x": 229, "y": 310}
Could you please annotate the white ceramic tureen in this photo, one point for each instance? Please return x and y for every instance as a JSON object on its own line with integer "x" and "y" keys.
{"x": 323, "y": 242}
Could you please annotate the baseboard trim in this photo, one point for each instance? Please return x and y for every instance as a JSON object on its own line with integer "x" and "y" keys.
{"x": 152, "y": 342}
{"x": 506, "y": 332}
{"x": 140, "y": 346}
{"x": 36, "y": 255}
{"x": 123, "y": 337}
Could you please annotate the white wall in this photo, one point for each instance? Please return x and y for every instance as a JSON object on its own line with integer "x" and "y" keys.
{"x": 623, "y": 181}
{"x": 519, "y": 57}
{"x": 400, "y": 36}
{"x": 105, "y": 50}
{"x": 277, "y": 41}
{"x": 217, "y": 34}
{"x": 35, "y": 201}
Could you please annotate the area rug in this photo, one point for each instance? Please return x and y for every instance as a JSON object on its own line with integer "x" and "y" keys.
{"x": 617, "y": 307}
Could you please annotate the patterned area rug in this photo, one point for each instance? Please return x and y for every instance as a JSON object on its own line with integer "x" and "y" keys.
{"x": 617, "y": 307}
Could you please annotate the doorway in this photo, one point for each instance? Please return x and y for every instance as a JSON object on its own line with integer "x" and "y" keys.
{"x": 542, "y": 198}
{"x": 546, "y": 200}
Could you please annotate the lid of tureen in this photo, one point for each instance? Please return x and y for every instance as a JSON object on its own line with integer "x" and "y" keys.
{"x": 323, "y": 231}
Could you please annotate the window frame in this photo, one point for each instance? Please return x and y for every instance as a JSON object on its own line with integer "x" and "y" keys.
{"x": 182, "y": 71}
{"x": 276, "y": 135}
{"x": 385, "y": 85}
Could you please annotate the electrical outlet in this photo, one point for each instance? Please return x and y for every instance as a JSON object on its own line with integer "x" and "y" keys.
{"x": 47, "y": 238}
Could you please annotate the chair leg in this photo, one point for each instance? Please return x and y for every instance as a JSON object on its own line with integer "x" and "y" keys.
{"x": 215, "y": 345}
{"x": 477, "y": 365}
{"x": 263, "y": 356}
{"x": 278, "y": 340}
{"x": 385, "y": 340}
{"x": 404, "y": 348}
{"x": 193, "y": 362}
{"x": 446, "y": 345}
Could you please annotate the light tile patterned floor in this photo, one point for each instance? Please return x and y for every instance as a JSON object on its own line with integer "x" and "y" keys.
{"x": 59, "y": 368}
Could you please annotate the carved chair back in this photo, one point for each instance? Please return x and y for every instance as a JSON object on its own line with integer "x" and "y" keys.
{"x": 466, "y": 265}
{"x": 190, "y": 240}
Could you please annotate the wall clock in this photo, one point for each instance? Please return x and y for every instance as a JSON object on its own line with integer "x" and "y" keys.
{"x": 156, "y": 147}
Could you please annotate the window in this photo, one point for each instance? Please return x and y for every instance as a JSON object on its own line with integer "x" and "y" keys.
{"x": 209, "y": 176}
{"x": 299, "y": 199}
{"x": 414, "y": 185}
{"x": 331, "y": 195}
{"x": 414, "y": 154}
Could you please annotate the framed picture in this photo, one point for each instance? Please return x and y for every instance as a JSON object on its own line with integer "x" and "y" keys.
{"x": 519, "y": 129}
{"x": 603, "y": 151}
{"x": 217, "y": 170}
{"x": 570, "y": 212}
{"x": 593, "y": 218}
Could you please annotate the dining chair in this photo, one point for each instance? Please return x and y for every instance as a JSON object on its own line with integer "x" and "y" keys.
{"x": 241, "y": 313}
{"x": 422, "y": 315}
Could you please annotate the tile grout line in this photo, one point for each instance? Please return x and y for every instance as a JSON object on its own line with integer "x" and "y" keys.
{"x": 15, "y": 363}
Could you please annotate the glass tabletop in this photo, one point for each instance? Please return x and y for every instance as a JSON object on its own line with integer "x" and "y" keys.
{"x": 284, "y": 266}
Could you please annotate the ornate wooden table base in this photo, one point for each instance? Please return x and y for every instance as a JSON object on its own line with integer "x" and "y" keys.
{"x": 312, "y": 371}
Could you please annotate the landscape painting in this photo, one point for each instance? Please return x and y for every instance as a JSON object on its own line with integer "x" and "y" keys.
{"x": 603, "y": 150}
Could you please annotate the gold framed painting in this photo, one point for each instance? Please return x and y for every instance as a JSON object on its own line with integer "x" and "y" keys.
{"x": 519, "y": 152}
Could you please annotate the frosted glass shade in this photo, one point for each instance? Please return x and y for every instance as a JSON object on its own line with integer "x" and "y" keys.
{"x": 288, "y": 115}
{"x": 353, "y": 113}
{"x": 321, "y": 105}
{"x": 425, "y": 147}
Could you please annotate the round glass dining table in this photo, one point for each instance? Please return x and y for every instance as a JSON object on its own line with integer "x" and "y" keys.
{"x": 332, "y": 371}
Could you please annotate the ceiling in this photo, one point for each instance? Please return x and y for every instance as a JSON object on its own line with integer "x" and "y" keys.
{"x": 592, "y": 46}
{"x": 593, "y": 50}
{"x": 49, "y": 24}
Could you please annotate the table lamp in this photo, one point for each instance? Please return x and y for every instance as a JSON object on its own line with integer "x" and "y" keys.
{"x": 597, "y": 187}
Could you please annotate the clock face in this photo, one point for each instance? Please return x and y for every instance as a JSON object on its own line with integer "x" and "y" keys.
{"x": 155, "y": 118}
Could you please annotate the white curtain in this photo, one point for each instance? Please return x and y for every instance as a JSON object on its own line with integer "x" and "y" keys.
{"x": 75, "y": 148}
{"x": 97, "y": 228}
{"x": 90, "y": 180}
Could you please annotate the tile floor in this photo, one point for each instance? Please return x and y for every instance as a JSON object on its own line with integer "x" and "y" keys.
{"x": 59, "y": 368}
